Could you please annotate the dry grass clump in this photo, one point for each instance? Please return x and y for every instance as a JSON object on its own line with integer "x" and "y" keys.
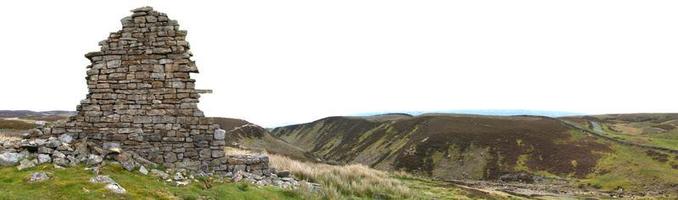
{"x": 348, "y": 180}
{"x": 338, "y": 182}
{"x": 15, "y": 124}
{"x": 4, "y": 138}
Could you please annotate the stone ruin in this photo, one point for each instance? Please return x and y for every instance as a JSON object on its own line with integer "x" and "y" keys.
{"x": 141, "y": 111}
{"x": 142, "y": 98}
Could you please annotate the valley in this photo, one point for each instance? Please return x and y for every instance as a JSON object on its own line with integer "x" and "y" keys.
{"x": 493, "y": 157}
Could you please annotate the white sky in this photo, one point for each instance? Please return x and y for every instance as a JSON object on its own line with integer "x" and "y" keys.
{"x": 280, "y": 62}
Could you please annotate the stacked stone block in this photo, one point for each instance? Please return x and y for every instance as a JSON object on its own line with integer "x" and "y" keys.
{"x": 142, "y": 98}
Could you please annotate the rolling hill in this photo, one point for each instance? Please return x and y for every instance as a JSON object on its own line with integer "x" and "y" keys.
{"x": 462, "y": 147}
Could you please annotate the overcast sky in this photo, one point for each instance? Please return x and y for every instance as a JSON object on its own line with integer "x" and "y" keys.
{"x": 280, "y": 62}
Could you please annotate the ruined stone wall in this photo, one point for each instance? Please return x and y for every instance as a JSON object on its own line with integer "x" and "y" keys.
{"x": 142, "y": 98}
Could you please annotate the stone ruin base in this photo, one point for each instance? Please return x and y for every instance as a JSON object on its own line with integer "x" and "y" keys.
{"x": 65, "y": 151}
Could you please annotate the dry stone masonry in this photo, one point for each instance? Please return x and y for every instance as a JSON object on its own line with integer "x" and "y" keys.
{"x": 142, "y": 98}
{"x": 141, "y": 111}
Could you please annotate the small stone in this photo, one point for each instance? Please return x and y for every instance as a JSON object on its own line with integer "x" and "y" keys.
{"x": 143, "y": 170}
{"x": 170, "y": 157}
{"x": 61, "y": 162}
{"x": 35, "y": 132}
{"x": 115, "y": 188}
{"x": 93, "y": 160}
{"x": 25, "y": 164}
{"x": 143, "y": 9}
{"x": 219, "y": 134}
{"x": 151, "y": 19}
{"x": 160, "y": 174}
{"x": 44, "y": 150}
{"x": 66, "y": 138}
{"x": 111, "y": 185}
{"x": 38, "y": 177}
{"x": 44, "y": 158}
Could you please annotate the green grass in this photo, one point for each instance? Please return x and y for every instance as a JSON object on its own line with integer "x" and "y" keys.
{"x": 631, "y": 169}
{"x": 73, "y": 183}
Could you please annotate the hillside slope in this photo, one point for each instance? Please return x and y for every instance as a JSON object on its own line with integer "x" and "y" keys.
{"x": 245, "y": 135}
{"x": 450, "y": 147}
{"x": 462, "y": 147}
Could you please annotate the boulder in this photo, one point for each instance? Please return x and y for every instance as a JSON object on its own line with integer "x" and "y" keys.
{"x": 10, "y": 159}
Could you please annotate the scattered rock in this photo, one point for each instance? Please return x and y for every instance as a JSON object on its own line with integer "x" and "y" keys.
{"x": 143, "y": 170}
{"x": 44, "y": 158}
{"x": 26, "y": 163}
{"x": 111, "y": 185}
{"x": 518, "y": 177}
{"x": 38, "y": 177}
{"x": 115, "y": 188}
{"x": 160, "y": 174}
{"x": 93, "y": 160}
{"x": 66, "y": 138}
{"x": 62, "y": 162}
{"x": 10, "y": 159}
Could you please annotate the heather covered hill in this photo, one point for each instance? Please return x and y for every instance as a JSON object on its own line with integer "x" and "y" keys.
{"x": 474, "y": 147}
{"x": 451, "y": 147}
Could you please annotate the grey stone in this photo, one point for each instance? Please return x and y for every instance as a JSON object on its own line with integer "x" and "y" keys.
{"x": 66, "y": 138}
{"x": 160, "y": 174}
{"x": 143, "y": 170}
{"x": 111, "y": 185}
{"x": 93, "y": 160}
{"x": 44, "y": 158}
{"x": 10, "y": 159}
{"x": 60, "y": 162}
{"x": 170, "y": 157}
{"x": 38, "y": 177}
{"x": 219, "y": 134}
{"x": 26, "y": 163}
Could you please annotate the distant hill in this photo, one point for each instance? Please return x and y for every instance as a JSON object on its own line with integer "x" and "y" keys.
{"x": 243, "y": 134}
{"x": 28, "y": 113}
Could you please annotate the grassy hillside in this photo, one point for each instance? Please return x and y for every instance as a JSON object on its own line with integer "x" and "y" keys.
{"x": 451, "y": 147}
{"x": 245, "y": 135}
